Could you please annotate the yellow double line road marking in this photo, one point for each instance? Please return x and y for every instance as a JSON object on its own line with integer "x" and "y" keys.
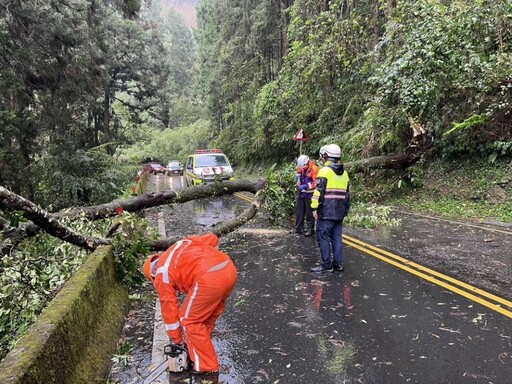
{"x": 243, "y": 197}
{"x": 470, "y": 292}
{"x": 484, "y": 298}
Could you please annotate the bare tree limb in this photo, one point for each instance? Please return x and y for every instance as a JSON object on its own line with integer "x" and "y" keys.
{"x": 224, "y": 228}
{"x": 11, "y": 201}
{"x": 49, "y": 223}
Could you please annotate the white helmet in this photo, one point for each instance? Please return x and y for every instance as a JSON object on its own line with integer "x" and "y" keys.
{"x": 331, "y": 150}
{"x": 302, "y": 161}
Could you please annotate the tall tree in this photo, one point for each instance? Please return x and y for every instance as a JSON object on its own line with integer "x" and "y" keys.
{"x": 62, "y": 65}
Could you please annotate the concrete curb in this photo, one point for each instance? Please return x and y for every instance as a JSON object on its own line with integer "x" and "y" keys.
{"x": 76, "y": 335}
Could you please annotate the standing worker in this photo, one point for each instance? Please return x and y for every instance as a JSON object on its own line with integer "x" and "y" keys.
{"x": 307, "y": 172}
{"x": 196, "y": 267}
{"x": 330, "y": 203}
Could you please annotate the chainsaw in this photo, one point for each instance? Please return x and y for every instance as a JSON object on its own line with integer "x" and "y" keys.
{"x": 177, "y": 361}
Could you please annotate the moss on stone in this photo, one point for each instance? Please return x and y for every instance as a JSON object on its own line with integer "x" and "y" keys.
{"x": 75, "y": 336}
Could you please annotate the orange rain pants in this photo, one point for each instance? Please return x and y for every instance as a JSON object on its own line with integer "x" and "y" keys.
{"x": 194, "y": 266}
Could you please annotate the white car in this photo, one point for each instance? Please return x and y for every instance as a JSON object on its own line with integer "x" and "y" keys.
{"x": 206, "y": 166}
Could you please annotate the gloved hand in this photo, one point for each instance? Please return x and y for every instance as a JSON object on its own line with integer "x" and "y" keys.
{"x": 302, "y": 187}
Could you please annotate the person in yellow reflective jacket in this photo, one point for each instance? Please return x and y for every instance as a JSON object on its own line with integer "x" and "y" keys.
{"x": 330, "y": 204}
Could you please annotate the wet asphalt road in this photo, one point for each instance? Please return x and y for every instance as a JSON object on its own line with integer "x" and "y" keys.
{"x": 374, "y": 323}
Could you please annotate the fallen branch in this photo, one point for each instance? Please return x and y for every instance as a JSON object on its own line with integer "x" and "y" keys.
{"x": 224, "y": 228}
{"x": 41, "y": 219}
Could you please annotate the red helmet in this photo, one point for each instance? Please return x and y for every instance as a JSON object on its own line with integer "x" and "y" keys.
{"x": 148, "y": 264}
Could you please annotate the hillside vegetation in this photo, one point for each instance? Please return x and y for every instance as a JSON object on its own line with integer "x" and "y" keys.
{"x": 87, "y": 86}
{"x": 471, "y": 189}
{"x": 90, "y": 90}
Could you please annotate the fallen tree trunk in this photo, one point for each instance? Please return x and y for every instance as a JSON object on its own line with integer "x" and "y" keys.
{"x": 155, "y": 199}
{"x": 41, "y": 219}
{"x": 420, "y": 144}
{"x": 382, "y": 162}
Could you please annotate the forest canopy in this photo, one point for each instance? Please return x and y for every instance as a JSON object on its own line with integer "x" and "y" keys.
{"x": 89, "y": 85}
{"x": 92, "y": 89}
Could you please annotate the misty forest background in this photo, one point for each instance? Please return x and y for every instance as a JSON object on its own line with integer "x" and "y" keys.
{"x": 92, "y": 89}
{"x": 88, "y": 87}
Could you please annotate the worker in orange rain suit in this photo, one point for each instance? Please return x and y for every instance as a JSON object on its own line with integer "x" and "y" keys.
{"x": 196, "y": 267}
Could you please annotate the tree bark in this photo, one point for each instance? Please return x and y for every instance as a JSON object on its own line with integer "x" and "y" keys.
{"x": 155, "y": 199}
{"x": 419, "y": 144}
{"x": 41, "y": 219}
{"x": 224, "y": 228}
{"x": 9, "y": 201}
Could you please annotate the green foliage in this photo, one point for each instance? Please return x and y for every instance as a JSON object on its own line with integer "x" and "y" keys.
{"x": 477, "y": 189}
{"x": 441, "y": 63}
{"x": 239, "y": 52}
{"x": 499, "y": 149}
{"x": 30, "y": 277}
{"x": 359, "y": 75}
{"x": 173, "y": 144}
{"x": 471, "y": 121}
{"x": 122, "y": 356}
{"x": 281, "y": 191}
{"x": 84, "y": 83}
{"x": 281, "y": 194}
{"x": 129, "y": 244}
{"x": 369, "y": 215}
{"x": 77, "y": 178}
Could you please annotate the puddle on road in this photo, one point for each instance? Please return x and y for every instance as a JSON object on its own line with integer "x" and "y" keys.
{"x": 371, "y": 324}
{"x": 132, "y": 362}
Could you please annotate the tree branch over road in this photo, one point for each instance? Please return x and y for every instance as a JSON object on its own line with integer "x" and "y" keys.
{"x": 48, "y": 222}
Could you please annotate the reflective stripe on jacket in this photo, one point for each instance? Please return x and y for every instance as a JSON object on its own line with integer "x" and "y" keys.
{"x": 331, "y": 197}
{"x": 178, "y": 270}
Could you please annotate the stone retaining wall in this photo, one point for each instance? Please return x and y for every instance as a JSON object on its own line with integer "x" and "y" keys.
{"x": 76, "y": 335}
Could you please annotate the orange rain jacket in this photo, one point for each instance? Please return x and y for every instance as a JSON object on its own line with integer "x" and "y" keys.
{"x": 207, "y": 276}
{"x": 306, "y": 179}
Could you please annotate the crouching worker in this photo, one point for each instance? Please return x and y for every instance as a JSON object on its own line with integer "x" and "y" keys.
{"x": 196, "y": 267}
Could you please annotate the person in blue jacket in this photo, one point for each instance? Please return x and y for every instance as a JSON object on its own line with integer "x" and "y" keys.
{"x": 307, "y": 172}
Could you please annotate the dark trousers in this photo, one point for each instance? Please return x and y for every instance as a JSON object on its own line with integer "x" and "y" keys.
{"x": 303, "y": 211}
{"x": 328, "y": 236}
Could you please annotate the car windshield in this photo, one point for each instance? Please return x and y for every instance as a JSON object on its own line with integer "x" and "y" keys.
{"x": 174, "y": 164}
{"x": 212, "y": 161}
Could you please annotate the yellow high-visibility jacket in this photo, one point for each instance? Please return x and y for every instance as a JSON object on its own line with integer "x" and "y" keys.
{"x": 331, "y": 197}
